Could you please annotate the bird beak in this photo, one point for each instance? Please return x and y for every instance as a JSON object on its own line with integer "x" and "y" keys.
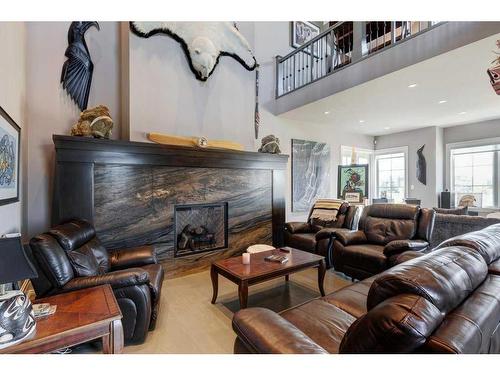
{"x": 88, "y": 25}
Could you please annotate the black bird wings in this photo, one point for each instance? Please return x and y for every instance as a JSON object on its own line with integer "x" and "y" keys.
{"x": 76, "y": 76}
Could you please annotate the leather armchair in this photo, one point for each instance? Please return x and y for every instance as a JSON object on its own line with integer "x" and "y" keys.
{"x": 315, "y": 238}
{"x": 385, "y": 232}
{"x": 70, "y": 257}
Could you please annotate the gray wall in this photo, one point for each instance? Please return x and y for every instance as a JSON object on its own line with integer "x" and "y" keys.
{"x": 50, "y": 111}
{"x": 12, "y": 100}
{"x": 433, "y": 149}
{"x": 468, "y": 132}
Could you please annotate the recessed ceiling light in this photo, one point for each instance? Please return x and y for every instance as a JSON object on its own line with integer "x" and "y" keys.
{"x": 462, "y": 113}
{"x": 361, "y": 121}
{"x": 442, "y": 101}
{"x": 327, "y": 112}
{"x": 412, "y": 85}
{"x": 387, "y": 128}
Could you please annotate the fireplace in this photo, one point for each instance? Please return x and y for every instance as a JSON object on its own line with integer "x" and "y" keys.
{"x": 199, "y": 227}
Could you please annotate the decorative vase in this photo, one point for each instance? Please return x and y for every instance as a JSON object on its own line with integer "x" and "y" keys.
{"x": 494, "y": 74}
{"x": 17, "y": 322}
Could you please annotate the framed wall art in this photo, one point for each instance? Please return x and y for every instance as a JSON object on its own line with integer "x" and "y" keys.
{"x": 353, "y": 182}
{"x": 10, "y": 142}
{"x": 302, "y": 32}
{"x": 310, "y": 173}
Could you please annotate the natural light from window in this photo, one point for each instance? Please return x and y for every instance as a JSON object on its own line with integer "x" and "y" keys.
{"x": 391, "y": 176}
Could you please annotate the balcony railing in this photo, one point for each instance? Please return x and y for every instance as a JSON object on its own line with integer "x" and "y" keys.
{"x": 340, "y": 45}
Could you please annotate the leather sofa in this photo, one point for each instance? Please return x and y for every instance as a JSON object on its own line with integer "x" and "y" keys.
{"x": 70, "y": 257}
{"x": 384, "y": 232}
{"x": 316, "y": 239}
{"x": 442, "y": 302}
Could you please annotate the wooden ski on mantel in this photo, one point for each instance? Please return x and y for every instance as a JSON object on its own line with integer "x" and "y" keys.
{"x": 198, "y": 142}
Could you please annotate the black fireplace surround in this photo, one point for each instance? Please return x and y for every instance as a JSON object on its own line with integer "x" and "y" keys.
{"x": 133, "y": 193}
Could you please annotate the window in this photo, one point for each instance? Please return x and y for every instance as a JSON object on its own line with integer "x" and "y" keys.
{"x": 391, "y": 175}
{"x": 474, "y": 170}
{"x": 353, "y": 155}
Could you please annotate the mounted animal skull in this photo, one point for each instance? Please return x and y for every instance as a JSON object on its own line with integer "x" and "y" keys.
{"x": 203, "y": 43}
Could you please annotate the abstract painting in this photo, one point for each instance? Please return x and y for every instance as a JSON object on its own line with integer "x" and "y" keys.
{"x": 353, "y": 179}
{"x": 310, "y": 173}
{"x": 302, "y": 32}
{"x": 9, "y": 159}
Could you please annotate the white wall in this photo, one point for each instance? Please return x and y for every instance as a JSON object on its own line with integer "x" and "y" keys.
{"x": 49, "y": 109}
{"x": 433, "y": 149}
{"x": 165, "y": 97}
{"x": 12, "y": 100}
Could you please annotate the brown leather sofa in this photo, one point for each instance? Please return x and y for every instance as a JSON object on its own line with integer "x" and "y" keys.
{"x": 442, "y": 302}
{"x": 316, "y": 239}
{"x": 384, "y": 232}
{"x": 70, "y": 257}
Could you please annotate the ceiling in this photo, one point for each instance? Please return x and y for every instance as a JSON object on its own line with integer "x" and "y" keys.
{"x": 387, "y": 105}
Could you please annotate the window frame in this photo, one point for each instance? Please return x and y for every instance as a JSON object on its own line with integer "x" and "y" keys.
{"x": 371, "y": 152}
{"x": 388, "y": 151}
{"x": 496, "y": 165}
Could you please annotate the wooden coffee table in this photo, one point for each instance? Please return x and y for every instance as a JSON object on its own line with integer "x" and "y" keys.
{"x": 81, "y": 316}
{"x": 260, "y": 270}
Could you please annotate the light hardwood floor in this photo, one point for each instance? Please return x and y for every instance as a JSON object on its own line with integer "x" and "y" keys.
{"x": 189, "y": 323}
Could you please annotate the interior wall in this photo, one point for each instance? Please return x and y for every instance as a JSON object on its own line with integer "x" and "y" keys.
{"x": 12, "y": 100}
{"x": 414, "y": 140}
{"x": 165, "y": 97}
{"x": 49, "y": 109}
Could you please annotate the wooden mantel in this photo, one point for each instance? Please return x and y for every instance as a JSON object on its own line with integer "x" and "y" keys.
{"x": 79, "y": 160}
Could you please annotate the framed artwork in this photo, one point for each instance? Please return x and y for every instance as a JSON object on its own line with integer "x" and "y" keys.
{"x": 310, "y": 173}
{"x": 302, "y": 32}
{"x": 10, "y": 142}
{"x": 352, "y": 182}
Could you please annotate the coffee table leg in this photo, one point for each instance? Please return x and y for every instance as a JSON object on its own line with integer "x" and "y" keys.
{"x": 321, "y": 276}
{"x": 113, "y": 343}
{"x": 287, "y": 278}
{"x": 215, "y": 282}
{"x": 243, "y": 294}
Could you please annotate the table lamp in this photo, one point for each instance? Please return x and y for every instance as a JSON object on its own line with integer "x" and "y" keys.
{"x": 17, "y": 321}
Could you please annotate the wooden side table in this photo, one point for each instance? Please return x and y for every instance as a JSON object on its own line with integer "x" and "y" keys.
{"x": 81, "y": 316}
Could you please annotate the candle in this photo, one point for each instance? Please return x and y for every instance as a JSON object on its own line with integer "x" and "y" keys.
{"x": 245, "y": 258}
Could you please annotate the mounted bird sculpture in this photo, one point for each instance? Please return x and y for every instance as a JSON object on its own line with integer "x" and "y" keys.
{"x": 77, "y": 70}
{"x": 421, "y": 166}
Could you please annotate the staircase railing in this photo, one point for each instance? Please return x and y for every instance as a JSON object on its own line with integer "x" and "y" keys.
{"x": 339, "y": 46}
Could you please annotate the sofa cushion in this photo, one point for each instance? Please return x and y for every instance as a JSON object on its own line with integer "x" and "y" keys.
{"x": 302, "y": 241}
{"x": 322, "y": 321}
{"x": 367, "y": 257}
{"x": 494, "y": 268}
{"x": 352, "y": 298}
{"x": 445, "y": 277}
{"x": 472, "y": 327}
{"x": 452, "y": 211}
{"x": 399, "y": 324}
{"x": 73, "y": 234}
{"x": 486, "y": 241}
{"x": 83, "y": 261}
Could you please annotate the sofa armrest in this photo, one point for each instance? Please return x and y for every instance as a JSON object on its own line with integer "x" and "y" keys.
{"x": 298, "y": 227}
{"x": 404, "y": 257}
{"x": 494, "y": 267}
{"x": 132, "y": 257}
{"x": 326, "y": 233}
{"x": 351, "y": 237}
{"x": 265, "y": 332}
{"x": 117, "y": 279}
{"x": 399, "y": 246}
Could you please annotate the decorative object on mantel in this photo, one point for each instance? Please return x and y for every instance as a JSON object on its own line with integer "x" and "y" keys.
{"x": 198, "y": 142}
{"x": 95, "y": 122}
{"x": 310, "y": 173}
{"x": 76, "y": 76}
{"x": 203, "y": 43}
{"x": 494, "y": 72}
{"x": 270, "y": 144}
{"x": 352, "y": 182}
{"x": 10, "y": 144}
{"x": 421, "y": 166}
{"x": 470, "y": 200}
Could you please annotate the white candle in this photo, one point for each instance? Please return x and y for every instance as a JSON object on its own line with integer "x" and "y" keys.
{"x": 245, "y": 258}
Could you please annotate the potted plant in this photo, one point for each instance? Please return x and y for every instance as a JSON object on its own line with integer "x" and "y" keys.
{"x": 494, "y": 72}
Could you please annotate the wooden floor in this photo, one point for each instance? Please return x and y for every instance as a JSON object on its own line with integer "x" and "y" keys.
{"x": 189, "y": 323}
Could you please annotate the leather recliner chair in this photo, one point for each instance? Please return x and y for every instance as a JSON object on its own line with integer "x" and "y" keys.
{"x": 385, "y": 231}
{"x": 315, "y": 238}
{"x": 70, "y": 257}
